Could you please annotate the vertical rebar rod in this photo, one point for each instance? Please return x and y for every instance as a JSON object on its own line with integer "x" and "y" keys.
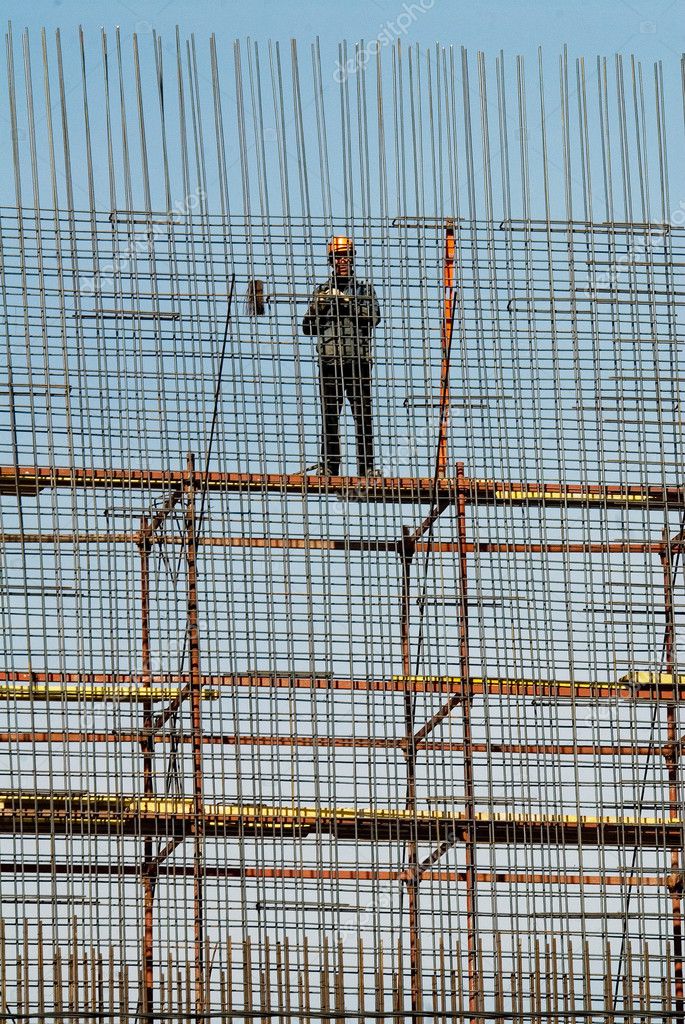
{"x": 467, "y": 739}
{"x": 147, "y": 748}
{"x": 672, "y": 751}
{"x": 195, "y": 685}
{"x": 445, "y": 339}
{"x": 411, "y": 852}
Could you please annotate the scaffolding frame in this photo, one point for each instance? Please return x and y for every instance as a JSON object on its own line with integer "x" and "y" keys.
{"x": 469, "y": 828}
{"x": 194, "y": 819}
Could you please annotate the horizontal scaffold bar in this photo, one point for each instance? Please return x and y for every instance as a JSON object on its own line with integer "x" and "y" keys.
{"x": 345, "y": 544}
{"x": 28, "y": 480}
{"x": 133, "y": 737}
{"x": 119, "y": 868}
{"x": 122, "y": 869}
{"x": 85, "y": 814}
{"x": 93, "y": 692}
{"x": 647, "y": 686}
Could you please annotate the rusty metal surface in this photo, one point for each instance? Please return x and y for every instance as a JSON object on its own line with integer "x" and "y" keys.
{"x": 27, "y": 480}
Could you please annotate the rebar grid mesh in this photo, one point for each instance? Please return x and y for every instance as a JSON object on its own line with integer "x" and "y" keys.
{"x": 417, "y": 749}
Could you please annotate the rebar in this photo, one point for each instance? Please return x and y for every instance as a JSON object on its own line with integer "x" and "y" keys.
{"x": 299, "y": 745}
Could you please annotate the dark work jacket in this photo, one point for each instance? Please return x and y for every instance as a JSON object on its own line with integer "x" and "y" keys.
{"x": 343, "y": 319}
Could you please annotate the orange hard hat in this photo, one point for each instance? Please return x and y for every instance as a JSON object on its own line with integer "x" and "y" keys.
{"x": 340, "y": 245}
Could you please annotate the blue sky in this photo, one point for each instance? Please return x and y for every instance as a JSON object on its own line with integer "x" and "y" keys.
{"x": 649, "y": 28}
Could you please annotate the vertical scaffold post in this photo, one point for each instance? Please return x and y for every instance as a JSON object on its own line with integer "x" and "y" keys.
{"x": 467, "y": 738}
{"x": 411, "y": 875}
{"x": 672, "y": 752}
{"x": 195, "y": 686}
{"x": 147, "y": 750}
{"x": 446, "y": 338}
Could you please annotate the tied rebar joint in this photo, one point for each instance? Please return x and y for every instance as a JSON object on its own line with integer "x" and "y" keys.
{"x": 409, "y": 748}
{"x": 406, "y": 547}
{"x": 675, "y": 883}
{"x": 672, "y": 752}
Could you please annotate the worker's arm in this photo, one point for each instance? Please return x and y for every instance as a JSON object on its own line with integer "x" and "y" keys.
{"x": 368, "y": 308}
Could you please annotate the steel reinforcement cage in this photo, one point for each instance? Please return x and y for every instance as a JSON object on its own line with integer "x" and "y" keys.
{"x": 283, "y": 744}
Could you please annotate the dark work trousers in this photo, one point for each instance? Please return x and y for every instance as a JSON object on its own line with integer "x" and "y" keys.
{"x": 352, "y": 378}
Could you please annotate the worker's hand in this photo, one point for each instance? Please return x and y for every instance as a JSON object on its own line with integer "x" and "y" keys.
{"x": 333, "y": 300}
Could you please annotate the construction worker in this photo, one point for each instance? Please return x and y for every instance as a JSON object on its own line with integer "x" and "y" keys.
{"x": 342, "y": 314}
